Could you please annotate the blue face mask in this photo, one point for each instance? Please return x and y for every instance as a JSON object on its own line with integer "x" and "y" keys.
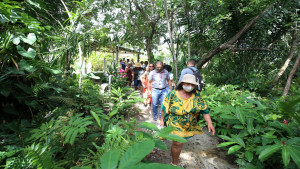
{"x": 188, "y": 88}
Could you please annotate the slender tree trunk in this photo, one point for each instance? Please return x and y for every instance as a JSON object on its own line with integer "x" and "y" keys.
{"x": 288, "y": 60}
{"x": 229, "y": 44}
{"x": 289, "y": 81}
{"x": 171, "y": 39}
{"x": 81, "y": 62}
{"x": 149, "y": 49}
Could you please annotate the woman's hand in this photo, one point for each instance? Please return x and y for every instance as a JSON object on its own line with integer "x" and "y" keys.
{"x": 162, "y": 123}
{"x": 211, "y": 128}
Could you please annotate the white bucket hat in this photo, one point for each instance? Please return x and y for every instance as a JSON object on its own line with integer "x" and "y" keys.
{"x": 188, "y": 78}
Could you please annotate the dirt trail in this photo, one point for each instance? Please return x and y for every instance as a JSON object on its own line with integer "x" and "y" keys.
{"x": 200, "y": 152}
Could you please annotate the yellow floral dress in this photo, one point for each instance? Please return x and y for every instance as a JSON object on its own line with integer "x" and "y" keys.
{"x": 183, "y": 114}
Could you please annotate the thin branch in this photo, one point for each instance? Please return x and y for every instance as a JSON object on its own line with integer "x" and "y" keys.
{"x": 249, "y": 49}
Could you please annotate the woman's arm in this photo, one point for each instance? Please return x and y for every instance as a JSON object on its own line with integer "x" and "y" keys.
{"x": 210, "y": 126}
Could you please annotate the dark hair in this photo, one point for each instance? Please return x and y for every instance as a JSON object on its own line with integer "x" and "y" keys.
{"x": 192, "y": 62}
{"x": 146, "y": 62}
{"x": 121, "y": 60}
{"x": 168, "y": 68}
{"x": 179, "y": 87}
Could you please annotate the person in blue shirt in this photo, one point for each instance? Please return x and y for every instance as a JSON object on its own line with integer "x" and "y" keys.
{"x": 190, "y": 65}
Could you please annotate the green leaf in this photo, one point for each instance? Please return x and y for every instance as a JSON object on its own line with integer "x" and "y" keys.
{"x": 165, "y": 131}
{"x": 238, "y": 140}
{"x": 15, "y": 40}
{"x": 175, "y": 138}
{"x": 249, "y": 156}
{"x": 96, "y": 118}
{"x": 238, "y": 126}
{"x": 293, "y": 140}
{"x": 227, "y": 116}
{"x": 234, "y": 149}
{"x": 110, "y": 159}
{"x": 115, "y": 111}
{"x": 240, "y": 115}
{"x": 160, "y": 144}
{"x": 285, "y": 156}
{"x": 250, "y": 126}
{"x": 225, "y": 137}
{"x": 30, "y": 53}
{"x": 136, "y": 153}
{"x": 268, "y": 151}
{"x": 154, "y": 166}
{"x": 83, "y": 167}
{"x": 74, "y": 134}
{"x": 30, "y": 39}
{"x": 226, "y": 144}
{"x": 295, "y": 154}
{"x": 149, "y": 126}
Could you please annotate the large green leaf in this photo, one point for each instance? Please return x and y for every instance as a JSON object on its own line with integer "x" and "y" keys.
{"x": 110, "y": 159}
{"x": 268, "y": 151}
{"x": 225, "y": 137}
{"x": 160, "y": 144}
{"x": 136, "y": 153}
{"x": 234, "y": 149}
{"x": 249, "y": 156}
{"x": 294, "y": 141}
{"x": 149, "y": 126}
{"x": 295, "y": 153}
{"x": 226, "y": 144}
{"x": 250, "y": 126}
{"x": 238, "y": 140}
{"x": 30, "y": 53}
{"x": 175, "y": 138}
{"x": 96, "y": 117}
{"x": 285, "y": 156}
{"x": 30, "y": 39}
{"x": 154, "y": 166}
{"x": 24, "y": 65}
{"x": 240, "y": 115}
{"x": 165, "y": 131}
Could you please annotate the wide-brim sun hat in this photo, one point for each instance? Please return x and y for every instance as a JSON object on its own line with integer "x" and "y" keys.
{"x": 188, "y": 78}
{"x": 137, "y": 65}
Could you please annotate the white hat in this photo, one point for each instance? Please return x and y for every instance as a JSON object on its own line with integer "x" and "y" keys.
{"x": 188, "y": 78}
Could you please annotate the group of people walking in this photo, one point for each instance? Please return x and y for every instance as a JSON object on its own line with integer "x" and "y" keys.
{"x": 180, "y": 108}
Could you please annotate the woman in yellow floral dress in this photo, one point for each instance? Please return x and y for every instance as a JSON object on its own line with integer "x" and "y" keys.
{"x": 181, "y": 110}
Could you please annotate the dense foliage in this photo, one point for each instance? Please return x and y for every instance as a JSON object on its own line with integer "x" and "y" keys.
{"x": 262, "y": 133}
{"x": 53, "y": 115}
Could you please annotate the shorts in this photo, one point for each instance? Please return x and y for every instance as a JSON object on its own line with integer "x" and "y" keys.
{"x": 137, "y": 82}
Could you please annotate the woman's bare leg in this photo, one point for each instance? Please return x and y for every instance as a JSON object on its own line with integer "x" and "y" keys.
{"x": 175, "y": 151}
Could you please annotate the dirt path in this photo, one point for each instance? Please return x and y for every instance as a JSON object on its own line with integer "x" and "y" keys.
{"x": 200, "y": 152}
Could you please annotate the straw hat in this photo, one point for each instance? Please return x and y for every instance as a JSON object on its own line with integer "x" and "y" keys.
{"x": 137, "y": 65}
{"x": 188, "y": 78}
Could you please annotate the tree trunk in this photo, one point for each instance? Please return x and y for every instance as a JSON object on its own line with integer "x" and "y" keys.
{"x": 81, "y": 62}
{"x": 171, "y": 39}
{"x": 290, "y": 56}
{"x": 229, "y": 44}
{"x": 289, "y": 81}
{"x": 149, "y": 49}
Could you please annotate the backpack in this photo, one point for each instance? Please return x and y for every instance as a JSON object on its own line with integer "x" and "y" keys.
{"x": 199, "y": 79}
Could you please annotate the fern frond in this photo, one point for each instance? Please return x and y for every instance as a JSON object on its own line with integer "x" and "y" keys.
{"x": 39, "y": 156}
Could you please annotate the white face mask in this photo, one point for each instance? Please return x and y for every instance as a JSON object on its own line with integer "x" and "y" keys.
{"x": 188, "y": 88}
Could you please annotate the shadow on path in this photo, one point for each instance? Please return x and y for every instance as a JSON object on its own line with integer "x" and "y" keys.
{"x": 200, "y": 152}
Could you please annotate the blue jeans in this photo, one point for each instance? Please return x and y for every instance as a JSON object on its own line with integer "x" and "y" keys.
{"x": 156, "y": 96}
